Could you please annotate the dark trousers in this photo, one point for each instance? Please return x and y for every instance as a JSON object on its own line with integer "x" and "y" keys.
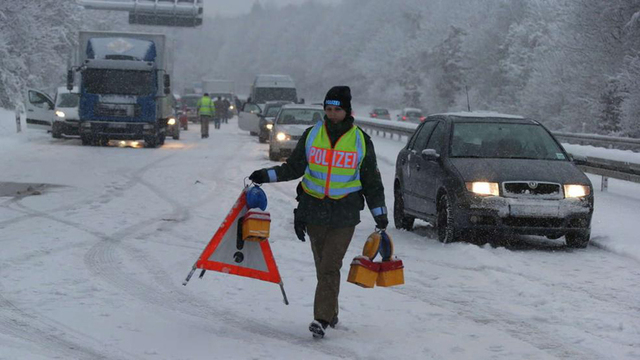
{"x": 204, "y": 125}
{"x": 216, "y": 122}
{"x": 329, "y": 245}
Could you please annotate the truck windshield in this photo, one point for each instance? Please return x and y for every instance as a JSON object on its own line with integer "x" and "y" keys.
{"x": 263, "y": 95}
{"x": 120, "y": 82}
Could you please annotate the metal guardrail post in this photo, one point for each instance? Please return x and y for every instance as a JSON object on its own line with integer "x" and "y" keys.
{"x": 18, "y": 129}
{"x": 604, "y": 185}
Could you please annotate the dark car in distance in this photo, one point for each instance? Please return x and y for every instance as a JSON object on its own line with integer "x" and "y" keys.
{"x": 380, "y": 113}
{"x": 478, "y": 173}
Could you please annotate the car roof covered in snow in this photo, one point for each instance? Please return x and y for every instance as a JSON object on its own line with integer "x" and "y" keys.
{"x": 482, "y": 114}
{"x": 302, "y": 106}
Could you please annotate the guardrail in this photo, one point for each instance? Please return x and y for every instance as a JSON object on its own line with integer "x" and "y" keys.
{"x": 606, "y": 168}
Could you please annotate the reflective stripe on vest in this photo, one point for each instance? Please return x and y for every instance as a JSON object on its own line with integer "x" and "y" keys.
{"x": 333, "y": 172}
{"x": 206, "y": 106}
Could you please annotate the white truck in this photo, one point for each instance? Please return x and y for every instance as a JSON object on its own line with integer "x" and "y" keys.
{"x": 265, "y": 88}
{"x": 124, "y": 87}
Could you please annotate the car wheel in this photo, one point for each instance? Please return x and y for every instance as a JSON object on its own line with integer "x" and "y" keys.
{"x": 253, "y": 133}
{"x": 274, "y": 156}
{"x": 56, "y": 132}
{"x": 578, "y": 240}
{"x": 262, "y": 138}
{"x": 444, "y": 223}
{"x": 176, "y": 134}
{"x": 401, "y": 221}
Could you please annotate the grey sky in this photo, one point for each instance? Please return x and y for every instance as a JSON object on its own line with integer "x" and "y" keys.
{"x": 237, "y": 7}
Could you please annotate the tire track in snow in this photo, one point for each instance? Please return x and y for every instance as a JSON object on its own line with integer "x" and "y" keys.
{"x": 102, "y": 259}
{"x": 42, "y": 329}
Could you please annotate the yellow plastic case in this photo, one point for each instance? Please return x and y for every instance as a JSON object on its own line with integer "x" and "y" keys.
{"x": 256, "y": 225}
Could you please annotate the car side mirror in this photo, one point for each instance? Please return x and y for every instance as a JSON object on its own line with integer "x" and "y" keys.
{"x": 430, "y": 155}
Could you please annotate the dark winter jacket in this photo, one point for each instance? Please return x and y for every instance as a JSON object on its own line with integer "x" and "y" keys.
{"x": 328, "y": 212}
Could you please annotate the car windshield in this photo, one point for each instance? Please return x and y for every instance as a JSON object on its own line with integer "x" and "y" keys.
{"x": 414, "y": 114}
{"x": 505, "y": 141}
{"x": 299, "y": 116}
{"x": 66, "y": 100}
{"x": 118, "y": 82}
{"x": 272, "y": 110}
{"x": 263, "y": 95}
{"x": 381, "y": 112}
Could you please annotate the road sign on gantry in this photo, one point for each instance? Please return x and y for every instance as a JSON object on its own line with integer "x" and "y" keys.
{"x": 229, "y": 254}
{"x": 186, "y": 13}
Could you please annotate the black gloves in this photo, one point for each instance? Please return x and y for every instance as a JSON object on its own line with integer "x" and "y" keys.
{"x": 259, "y": 176}
{"x": 381, "y": 221}
{"x": 299, "y": 226}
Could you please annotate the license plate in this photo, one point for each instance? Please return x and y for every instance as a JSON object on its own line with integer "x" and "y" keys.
{"x": 534, "y": 210}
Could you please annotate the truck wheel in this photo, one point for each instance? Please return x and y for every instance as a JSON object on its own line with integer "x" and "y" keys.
{"x": 56, "y": 131}
{"x": 578, "y": 239}
{"x": 86, "y": 139}
{"x": 150, "y": 141}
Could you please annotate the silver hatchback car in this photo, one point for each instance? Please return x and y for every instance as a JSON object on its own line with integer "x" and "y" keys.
{"x": 289, "y": 125}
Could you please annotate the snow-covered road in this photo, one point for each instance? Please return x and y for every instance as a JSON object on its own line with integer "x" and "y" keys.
{"x": 92, "y": 268}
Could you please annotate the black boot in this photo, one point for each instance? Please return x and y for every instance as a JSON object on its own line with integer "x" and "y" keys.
{"x": 334, "y": 322}
{"x": 317, "y": 328}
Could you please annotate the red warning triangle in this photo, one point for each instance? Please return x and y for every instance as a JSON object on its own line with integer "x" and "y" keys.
{"x": 254, "y": 259}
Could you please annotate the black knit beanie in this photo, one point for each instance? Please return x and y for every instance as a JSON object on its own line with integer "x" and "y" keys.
{"x": 339, "y": 96}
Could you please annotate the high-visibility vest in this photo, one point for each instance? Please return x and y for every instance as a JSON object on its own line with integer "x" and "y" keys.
{"x": 205, "y": 106}
{"x": 333, "y": 172}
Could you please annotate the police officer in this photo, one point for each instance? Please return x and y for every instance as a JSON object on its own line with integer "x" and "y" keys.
{"x": 206, "y": 109}
{"x": 338, "y": 164}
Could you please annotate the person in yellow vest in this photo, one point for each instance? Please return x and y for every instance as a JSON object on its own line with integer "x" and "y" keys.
{"x": 206, "y": 109}
{"x": 338, "y": 166}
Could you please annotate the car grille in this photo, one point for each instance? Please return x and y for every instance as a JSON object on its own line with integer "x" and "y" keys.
{"x": 524, "y": 189}
{"x": 533, "y": 222}
{"x": 117, "y": 110}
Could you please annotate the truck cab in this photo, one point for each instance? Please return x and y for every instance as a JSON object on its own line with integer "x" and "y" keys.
{"x": 123, "y": 88}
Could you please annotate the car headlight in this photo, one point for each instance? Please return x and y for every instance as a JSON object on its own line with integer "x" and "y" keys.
{"x": 231, "y": 107}
{"x": 576, "y": 191}
{"x": 483, "y": 188}
{"x": 269, "y": 126}
{"x": 59, "y": 113}
{"x": 281, "y": 136}
{"x": 171, "y": 121}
